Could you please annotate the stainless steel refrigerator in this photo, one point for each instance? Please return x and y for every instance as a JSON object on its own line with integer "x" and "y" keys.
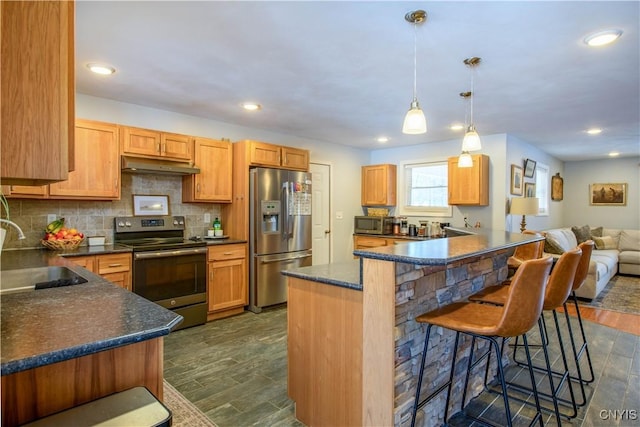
{"x": 279, "y": 232}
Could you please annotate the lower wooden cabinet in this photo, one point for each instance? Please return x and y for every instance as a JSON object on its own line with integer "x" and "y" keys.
{"x": 227, "y": 284}
{"x": 368, "y": 242}
{"x": 116, "y": 268}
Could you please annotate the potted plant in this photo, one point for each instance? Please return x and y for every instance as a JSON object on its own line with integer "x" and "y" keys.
{"x": 5, "y": 207}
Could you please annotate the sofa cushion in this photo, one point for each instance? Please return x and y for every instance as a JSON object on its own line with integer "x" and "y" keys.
{"x": 605, "y": 242}
{"x": 596, "y": 232}
{"x": 629, "y": 240}
{"x": 559, "y": 240}
{"x": 629, "y": 257}
{"x": 606, "y": 261}
{"x": 582, "y": 233}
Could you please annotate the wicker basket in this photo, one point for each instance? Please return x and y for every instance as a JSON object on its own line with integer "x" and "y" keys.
{"x": 62, "y": 245}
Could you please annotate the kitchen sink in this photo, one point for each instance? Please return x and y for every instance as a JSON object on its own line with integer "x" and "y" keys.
{"x": 29, "y": 279}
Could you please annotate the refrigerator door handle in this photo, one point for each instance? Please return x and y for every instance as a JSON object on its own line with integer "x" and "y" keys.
{"x": 285, "y": 211}
{"x": 271, "y": 261}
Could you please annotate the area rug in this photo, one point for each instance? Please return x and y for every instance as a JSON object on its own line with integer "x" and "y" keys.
{"x": 185, "y": 413}
{"x": 622, "y": 294}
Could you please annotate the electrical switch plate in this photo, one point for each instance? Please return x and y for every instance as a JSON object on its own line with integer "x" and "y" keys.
{"x": 207, "y": 218}
{"x": 51, "y": 218}
{"x": 339, "y": 215}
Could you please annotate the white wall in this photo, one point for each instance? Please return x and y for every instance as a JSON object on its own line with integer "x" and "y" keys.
{"x": 494, "y": 146}
{"x": 517, "y": 152}
{"x": 578, "y": 177}
{"x": 345, "y": 161}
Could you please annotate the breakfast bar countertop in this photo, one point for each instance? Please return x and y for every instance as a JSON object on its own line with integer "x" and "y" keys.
{"x": 41, "y": 327}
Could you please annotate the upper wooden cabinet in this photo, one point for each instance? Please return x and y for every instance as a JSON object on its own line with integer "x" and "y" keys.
{"x": 97, "y": 174}
{"x": 379, "y": 185}
{"x": 276, "y": 156}
{"x": 25, "y": 191}
{"x": 37, "y": 91}
{"x": 155, "y": 144}
{"x": 469, "y": 186}
{"x": 213, "y": 183}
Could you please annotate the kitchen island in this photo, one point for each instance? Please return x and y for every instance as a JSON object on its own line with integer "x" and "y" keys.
{"x": 65, "y": 346}
{"x": 354, "y": 347}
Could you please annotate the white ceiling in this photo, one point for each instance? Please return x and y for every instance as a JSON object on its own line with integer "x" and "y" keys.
{"x": 343, "y": 71}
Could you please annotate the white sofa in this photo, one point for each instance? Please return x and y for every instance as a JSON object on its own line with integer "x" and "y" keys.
{"x": 616, "y": 251}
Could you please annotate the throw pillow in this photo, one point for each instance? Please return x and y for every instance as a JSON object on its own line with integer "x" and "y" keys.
{"x": 582, "y": 233}
{"x": 604, "y": 242}
{"x": 596, "y": 232}
{"x": 629, "y": 240}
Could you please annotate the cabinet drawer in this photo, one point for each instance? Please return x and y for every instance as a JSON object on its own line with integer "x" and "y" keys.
{"x": 370, "y": 242}
{"x": 225, "y": 252}
{"x": 113, "y": 263}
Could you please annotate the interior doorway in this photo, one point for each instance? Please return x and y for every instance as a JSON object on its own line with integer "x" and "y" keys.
{"x": 321, "y": 213}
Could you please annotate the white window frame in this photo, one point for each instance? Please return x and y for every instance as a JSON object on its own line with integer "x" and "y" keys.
{"x": 403, "y": 208}
{"x": 543, "y": 188}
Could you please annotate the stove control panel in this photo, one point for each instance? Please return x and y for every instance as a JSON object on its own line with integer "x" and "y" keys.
{"x": 160, "y": 223}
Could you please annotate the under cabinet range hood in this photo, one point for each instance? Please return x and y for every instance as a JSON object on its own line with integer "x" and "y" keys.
{"x": 157, "y": 167}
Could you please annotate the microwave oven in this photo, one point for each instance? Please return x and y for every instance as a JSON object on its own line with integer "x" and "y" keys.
{"x": 373, "y": 225}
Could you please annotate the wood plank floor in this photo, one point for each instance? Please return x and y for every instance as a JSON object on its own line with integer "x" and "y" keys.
{"x": 621, "y": 321}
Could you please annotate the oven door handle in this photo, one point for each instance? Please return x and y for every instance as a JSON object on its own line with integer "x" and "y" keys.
{"x": 164, "y": 254}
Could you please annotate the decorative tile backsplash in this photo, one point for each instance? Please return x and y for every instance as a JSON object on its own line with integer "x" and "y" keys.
{"x": 95, "y": 218}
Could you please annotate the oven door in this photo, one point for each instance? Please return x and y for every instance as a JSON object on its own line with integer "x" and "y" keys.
{"x": 171, "y": 278}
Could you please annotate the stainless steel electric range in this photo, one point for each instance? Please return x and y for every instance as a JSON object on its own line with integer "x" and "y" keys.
{"x": 168, "y": 269}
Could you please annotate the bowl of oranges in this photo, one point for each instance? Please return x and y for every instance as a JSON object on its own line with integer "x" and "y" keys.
{"x": 57, "y": 237}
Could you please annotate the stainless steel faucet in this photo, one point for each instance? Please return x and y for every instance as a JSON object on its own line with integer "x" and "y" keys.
{"x": 13, "y": 224}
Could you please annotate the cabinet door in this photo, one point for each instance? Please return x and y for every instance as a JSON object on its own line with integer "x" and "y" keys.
{"x": 362, "y": 242}
{"x": 97, "y": 172}
{"x": 140, "y": 141}
{"x": 175, "y": 146}
{"x": 227, "y": 284}
{"x": 26, "y": 191}
{"x": 116, "y": 268}
{"x": 295, "y": 158}
{"x": 87, "y": 262}
{"x": 213, "y": 183}
{"x": 379, "y": 185}
{"x": 469, "y": 186}
{"x": 121, "y": 279}
{"x": 37, "y": 91}
{"x": 263, "y": 154}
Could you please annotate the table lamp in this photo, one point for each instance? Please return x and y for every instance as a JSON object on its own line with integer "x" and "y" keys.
{"x": 524, "y": 206}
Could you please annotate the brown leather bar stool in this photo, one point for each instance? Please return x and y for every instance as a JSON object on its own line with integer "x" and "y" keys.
{"x": 525, "y": 252}
{"x": 520, "y": 312}
{"x": 559, "y": 286}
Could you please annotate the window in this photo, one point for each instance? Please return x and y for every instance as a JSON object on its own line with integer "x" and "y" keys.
{"x": 423, "y": 189}
{"x": 543, "y": 181}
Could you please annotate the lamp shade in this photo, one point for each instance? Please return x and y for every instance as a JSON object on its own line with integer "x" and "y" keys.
{"x": 414, "y": 122}
{"x": 524, "y": 206}
{"x": 471, "y": 141}
{"x": 465, "y": 160}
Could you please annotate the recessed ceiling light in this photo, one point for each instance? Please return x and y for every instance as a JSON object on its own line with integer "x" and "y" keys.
{"x": 104, "y": 70}
{"x": 382, "y": 139}
{"x": 603, "y": 37}
{"x": 456, "y": 127}
{"x": 594, "y": 131}
{"x": 614, "y": 154}
{"x": 251, "y": 106}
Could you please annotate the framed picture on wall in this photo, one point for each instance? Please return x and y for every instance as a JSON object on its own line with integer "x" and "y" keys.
{"x": 608, "y": 194}
{"x": 529, "y": 189}
{"x": 557, "y": 187}
{"x": 529, "y": 168}
{"x": 150, "y": 205}
{"x": 516, "y": 180}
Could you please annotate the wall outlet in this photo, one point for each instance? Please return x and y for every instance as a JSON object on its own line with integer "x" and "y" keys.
{"x": 51, "y": 218}
{"x": 207, "y": 218}
{"x": 339, "y": 215}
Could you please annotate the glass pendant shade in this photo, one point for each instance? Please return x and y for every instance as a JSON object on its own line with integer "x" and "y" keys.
{"x": 465, "y": 160}
{"x": 414, "y": 122}
{"x": 471, "y": 141}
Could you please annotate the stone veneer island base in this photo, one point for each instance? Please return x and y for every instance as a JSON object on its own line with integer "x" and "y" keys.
{"x": 354, "y": 346}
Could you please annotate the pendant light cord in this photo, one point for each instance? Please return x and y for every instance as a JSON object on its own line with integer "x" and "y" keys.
{"x": 473, "y": 94}
{"x": 415, "y": 61}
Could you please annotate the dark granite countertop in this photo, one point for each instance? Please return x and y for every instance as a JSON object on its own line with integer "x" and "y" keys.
{"x": 52, "y": 325}
{"x": 229, "y": 241}
{"x": 346, "y": 274}
{"x": 445, "y": 251}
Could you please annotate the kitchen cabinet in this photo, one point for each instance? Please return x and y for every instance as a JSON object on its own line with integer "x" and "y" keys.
{"x": 116, "y": 268}
{"x": 148, "y": 143}
{"x": 366, "y": 242}
{"x": 227, "y": 285}
{"x": 25, "y": 191}
{"x": 37, "y": 90}
{"x": 379, "y": 185}
{"x": 97, "y": 174}
{"x": 469, "y": 186}
{"x": 213, "y": 183}
{"x": 276, "y": 156}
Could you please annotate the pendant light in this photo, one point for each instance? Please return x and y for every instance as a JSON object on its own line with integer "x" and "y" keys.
{"x": 415, "y": 122}
{"x": 465, "y": 160}
{"x": 471, "y": 140}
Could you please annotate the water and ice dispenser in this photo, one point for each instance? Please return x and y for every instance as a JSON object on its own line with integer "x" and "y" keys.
{"x": 270, "y": 216}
